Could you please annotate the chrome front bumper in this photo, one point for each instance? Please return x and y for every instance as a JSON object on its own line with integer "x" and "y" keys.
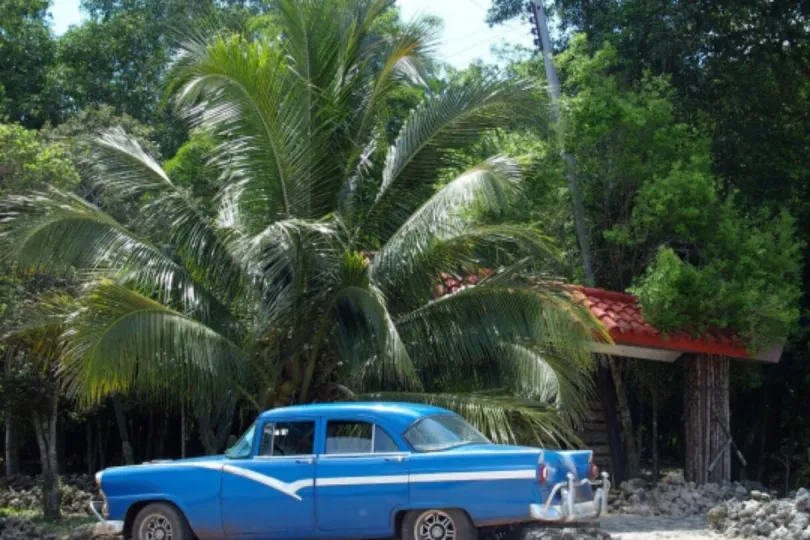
{"x": 568, "y": 510}
{"x": 105, "y": 527}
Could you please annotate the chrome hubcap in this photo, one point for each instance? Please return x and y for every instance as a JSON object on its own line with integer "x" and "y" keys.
{"x": 156, "y": 527}
{"x": 434, "y": 525}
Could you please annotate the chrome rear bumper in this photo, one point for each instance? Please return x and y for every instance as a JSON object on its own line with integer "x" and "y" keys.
{"x": 568, "y": 510}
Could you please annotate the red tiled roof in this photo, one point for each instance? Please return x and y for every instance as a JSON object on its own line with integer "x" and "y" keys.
{"x": 622, "y": 317}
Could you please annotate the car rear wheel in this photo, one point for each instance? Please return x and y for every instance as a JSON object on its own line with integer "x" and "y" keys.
{"x": 437, "y": 524}
{"x": 160, "y": 521}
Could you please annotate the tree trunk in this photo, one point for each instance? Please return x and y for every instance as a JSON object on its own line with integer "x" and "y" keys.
{"x": 123, "y": 431}
{"x": 655, "y": 465}
{"x": 60, "y": 447}
{"x": 625, "y": 419}
{"x": 90, "y": 450}
{"x": 161, "y": 446}
{"x": 100, "y": 443}
{"x": 183, "y": 431}
{"x": 45, "y": 430}
{"x": 707, "y": 419}
{"x": 12, "y": 448}
{"x": 150, "y": 441}
{"x": 214, "y": 422}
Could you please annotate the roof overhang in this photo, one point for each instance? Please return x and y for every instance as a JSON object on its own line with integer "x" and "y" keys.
{"x": 651, "y": 349}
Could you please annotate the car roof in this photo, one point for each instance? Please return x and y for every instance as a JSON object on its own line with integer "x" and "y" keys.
{"x": 403, "y": 414}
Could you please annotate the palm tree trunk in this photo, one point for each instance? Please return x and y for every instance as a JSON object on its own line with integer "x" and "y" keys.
{"x": 12, "y": 457}
{"x": 45, "y": 430}
{"x": 123, "y": 431}
{"x": 625, "y": 418}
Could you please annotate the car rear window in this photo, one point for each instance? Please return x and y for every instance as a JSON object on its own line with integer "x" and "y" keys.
{"x": 442, "y": 431}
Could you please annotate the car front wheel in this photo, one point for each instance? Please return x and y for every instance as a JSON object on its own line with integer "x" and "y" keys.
{"x": 160, "y": 521}
{"x": 438, "y": 525}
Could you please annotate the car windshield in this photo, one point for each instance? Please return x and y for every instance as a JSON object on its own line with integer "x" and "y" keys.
{"x": 243, "y": 446}
{"x": 441, "y": 432}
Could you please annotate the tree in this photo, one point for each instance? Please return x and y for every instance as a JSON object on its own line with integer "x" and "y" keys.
{"x": 318, "y": 277}
{"x": 661, "y": 223}
{"x": 27, "y": 52}
{"x": 29, "y": 385}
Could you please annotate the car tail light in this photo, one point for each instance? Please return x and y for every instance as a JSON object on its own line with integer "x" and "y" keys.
{"x": 542, "y": 474}
{"x": 593, "y": 472}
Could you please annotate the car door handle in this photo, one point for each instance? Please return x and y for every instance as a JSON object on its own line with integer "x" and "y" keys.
{"x": 304, "y": 461}
{"x": 397, "y": 459}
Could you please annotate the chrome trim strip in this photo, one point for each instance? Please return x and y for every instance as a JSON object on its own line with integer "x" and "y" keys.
{"x": 95, "y": 512}
{"x": 301, "y": 456}
{"x": 364, "y": 454}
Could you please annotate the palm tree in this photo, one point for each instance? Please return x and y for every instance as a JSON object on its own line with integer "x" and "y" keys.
{"x": 317, "y": 279}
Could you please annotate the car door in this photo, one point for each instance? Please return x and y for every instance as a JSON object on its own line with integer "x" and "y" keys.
{"x": 361, "y": 479}
{"x": 272, "y": 493}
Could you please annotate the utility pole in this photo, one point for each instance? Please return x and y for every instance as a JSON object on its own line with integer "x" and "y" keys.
{"x": 608, "y": 376}
{"x": 543, "y": 42}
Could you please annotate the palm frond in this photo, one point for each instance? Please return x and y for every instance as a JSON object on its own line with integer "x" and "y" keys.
{"x": 368, "y": 342}
{"x": 504, "y": 419}
{"x": 60, "y": 231}
{"x": 404, "y": 55}
{"x": 441, "y": 123}
{"x": 546, "y": 377}
{"x": 124, "y": 169}
{"x": 121, "y": 341}
{"x": 286, "y": 256}
{"x": 237, "y": 88}
{"x": 489, "y": 188}
{"x": 466, "y": 337}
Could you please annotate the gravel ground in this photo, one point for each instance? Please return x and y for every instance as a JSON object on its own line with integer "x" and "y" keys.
{"x": 630, "y": 527}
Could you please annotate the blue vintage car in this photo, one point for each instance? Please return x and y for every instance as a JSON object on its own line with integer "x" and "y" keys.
{"x": 351, "y": 470}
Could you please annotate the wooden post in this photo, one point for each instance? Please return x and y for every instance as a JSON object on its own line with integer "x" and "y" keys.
{"x": 707, "y": 418}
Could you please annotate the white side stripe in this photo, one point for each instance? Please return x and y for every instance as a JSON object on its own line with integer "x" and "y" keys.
{"x": 291, "y": 489}
{"x": 524, "y": 474}
{"x": 362, "y": 480}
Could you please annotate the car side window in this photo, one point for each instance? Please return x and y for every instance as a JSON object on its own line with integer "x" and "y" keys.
{"x": 353, "y": 437}
{"x": 383, "y": 442}
{"x": 287, "y": 439}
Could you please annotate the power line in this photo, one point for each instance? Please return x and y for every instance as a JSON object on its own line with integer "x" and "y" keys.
{"x": 489, "y": 39}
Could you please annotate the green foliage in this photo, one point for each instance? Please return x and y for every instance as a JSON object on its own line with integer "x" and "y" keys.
{"x": 696, "y": 259}
{"x": 27, "y": 51}
{"x": 189, "y": 168}
{"x": 28, "y": 162}
{"x": 745, "y": 276}
{"x": 94, "y": 119}
{"x": 321, "y": 266}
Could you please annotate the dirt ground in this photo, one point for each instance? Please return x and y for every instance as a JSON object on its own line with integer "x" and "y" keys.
{"x": 624, "y": 527}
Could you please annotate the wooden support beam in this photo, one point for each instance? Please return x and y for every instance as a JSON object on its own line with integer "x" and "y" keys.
{"x": 707, "y": 418}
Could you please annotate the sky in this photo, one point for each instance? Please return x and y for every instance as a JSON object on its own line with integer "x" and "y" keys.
{"x": 466, "y": 36}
